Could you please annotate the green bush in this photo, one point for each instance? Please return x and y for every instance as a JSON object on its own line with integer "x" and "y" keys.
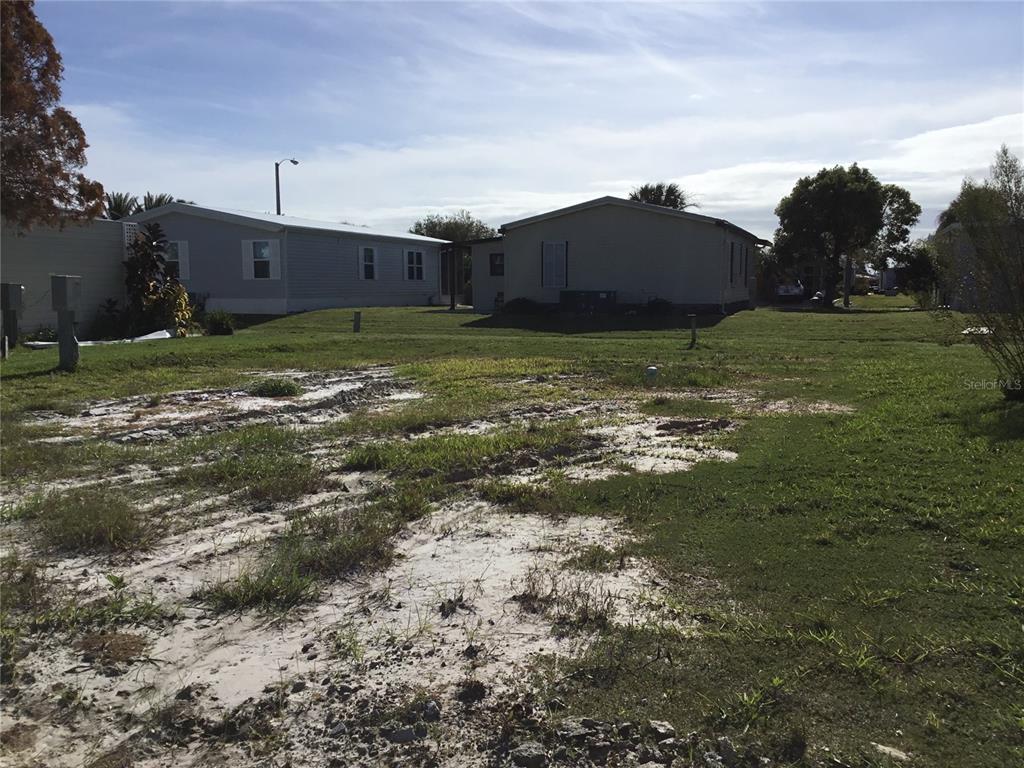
{"x": 90, "y": 518}
{"x": 275, "y": 388}
{"x": 219, "y": 323}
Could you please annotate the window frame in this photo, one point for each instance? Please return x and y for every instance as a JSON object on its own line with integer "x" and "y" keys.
{"x": 363, "y": 263}
{"x": 544, "y": 284}
{"x": 176, "y": 261}
{"x": 498, "y": 262}
{"x": 415, "y": 269}
{"x": 268, "y": 260}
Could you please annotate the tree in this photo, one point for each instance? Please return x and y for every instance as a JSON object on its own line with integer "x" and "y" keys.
{"x": 42, "y": 145}
{"x": 828, "y": 218}
{"x": 120, "y": 204}
{"x": 899, "y": 214}
{"x": 981, "y": 251}
{"x": 155, "y": 299}
{"x": 668, "y": 195}
{"x": 457, "y": 227}
{"x": 1008, "y": 180}
{"x": 155, "y": 200}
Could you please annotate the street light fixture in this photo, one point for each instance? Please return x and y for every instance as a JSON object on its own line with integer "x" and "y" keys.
{"x": 277, "y": 178}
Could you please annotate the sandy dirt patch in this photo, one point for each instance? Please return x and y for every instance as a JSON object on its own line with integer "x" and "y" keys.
{"x": 325, "y": 397}
{"x": 450, "y": 609}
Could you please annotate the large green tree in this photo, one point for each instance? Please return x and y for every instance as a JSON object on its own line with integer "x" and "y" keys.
{"x": 980, "y": 244}
{"x": 669, "y": 195}
{"x": 829, "y": 218}
{"x": 42, "y": 145}
{"x": 899, "y": 214}
{"x": 457, "y": 227}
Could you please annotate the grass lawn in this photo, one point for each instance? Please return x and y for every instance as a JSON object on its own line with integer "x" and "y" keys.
{"x": 859, "y": 577}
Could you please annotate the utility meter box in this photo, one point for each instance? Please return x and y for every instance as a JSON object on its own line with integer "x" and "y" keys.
{"x": 12, "y": 297}
{"x": 66, "y": 291}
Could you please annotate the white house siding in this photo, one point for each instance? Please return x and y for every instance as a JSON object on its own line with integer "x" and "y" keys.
{"x": 639, "y": 254}
{"x": 94, "y": 251}
{"x": 324, "y": 271}
{"x": 216, "y": 264}
{"x": 485, "y": 287}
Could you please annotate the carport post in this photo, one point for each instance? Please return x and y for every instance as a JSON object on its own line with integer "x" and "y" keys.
{"x": 693, "y": 331}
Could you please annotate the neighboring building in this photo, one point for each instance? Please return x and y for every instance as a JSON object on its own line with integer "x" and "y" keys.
{"x": 259, "y": 263}
{"x": 611, "y": 251}
{"x": 95, "y": 251}
{"x": 487, "y": 273}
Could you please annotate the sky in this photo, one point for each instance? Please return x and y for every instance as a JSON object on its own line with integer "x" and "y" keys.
{"x": 399, "y": 109}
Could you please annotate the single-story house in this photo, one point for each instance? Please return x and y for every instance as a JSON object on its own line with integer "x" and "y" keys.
{"x": 93, "y": 250}
{"x": 259, "y": 263}
{"x": 613, "y": 252}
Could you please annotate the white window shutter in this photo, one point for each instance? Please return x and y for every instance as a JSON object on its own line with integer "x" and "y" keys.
{"x": 183, "y": 264}
{"x": 275, "y": 259}
{"x": 247, "y": 260}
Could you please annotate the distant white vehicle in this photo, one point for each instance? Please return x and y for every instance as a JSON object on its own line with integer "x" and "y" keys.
{"x": 790, "y": 291}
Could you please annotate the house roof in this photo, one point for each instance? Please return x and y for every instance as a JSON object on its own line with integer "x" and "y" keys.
{"x": 618, "y": 201}
{"x": 274, "y": 223}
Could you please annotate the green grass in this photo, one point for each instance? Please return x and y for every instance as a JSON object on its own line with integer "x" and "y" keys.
{"x": 315, "y": 547}
{"x": 261, "y": 462}
{"x": 460, "y": 456}
{"x": 686, "y": 406}
{"x": 88, "y": 519}
{"x": 860, "y": 574}
{"x": 275, "y": 388}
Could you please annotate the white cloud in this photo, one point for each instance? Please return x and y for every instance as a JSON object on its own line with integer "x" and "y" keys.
{"x": 511, "y": 112}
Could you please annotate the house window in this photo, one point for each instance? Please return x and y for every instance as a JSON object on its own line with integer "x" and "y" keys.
{"x": 414, "y": 265}
{"x": 172, "y": 260}
{"x": 554, "y": 269}
{"x": 261, "y": 259}
{"x": 497, "y": 264}
{"x": 368, "y": 263}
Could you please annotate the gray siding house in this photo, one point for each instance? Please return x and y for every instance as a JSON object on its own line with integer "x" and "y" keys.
{"x": 92, "y": 250}
{"x": 614, "y": 251}
{"x": 259, "y": 263}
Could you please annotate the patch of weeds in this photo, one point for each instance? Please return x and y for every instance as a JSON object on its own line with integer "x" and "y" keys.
{"x": 345, "y": 643}
{"x": 22, "y": 583}
{"x": 595, "y": 557}
{"x": 317, "y": 546}
{"x": 262, "y": 476}
{"x": 111, "y": 646}
{"x": 568, "y": 600}
{"x": 458, "y": 457}
{"x": 276, "y": 387}
{"x": 120, "y": 757}
{"x": 663, "y": 405}
{"x": 86, "y": 519}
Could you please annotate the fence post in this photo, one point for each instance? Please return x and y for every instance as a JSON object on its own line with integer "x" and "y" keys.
{"x": 693, "y": 331}
{"x": 357, "y": 321}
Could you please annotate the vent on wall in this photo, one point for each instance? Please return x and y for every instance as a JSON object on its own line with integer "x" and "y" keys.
{"x": 131, "y": 231}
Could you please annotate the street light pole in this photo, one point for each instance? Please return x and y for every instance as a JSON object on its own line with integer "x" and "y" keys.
{"x": 277, "y": 179}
